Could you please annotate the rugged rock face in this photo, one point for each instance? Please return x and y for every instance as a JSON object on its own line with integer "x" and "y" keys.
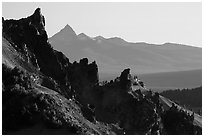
{"x": 30, "y": 37}
{"x": 133, "y": 112}
{"x": 83, "y": 77}
{"x": 73, "y": 100}
{"x": 125, "y": 79}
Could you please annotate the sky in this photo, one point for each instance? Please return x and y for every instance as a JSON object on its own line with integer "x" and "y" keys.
{"x": 155, "y": 22}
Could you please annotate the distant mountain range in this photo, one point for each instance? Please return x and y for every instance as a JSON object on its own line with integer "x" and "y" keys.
{"x": 114, "y": 54}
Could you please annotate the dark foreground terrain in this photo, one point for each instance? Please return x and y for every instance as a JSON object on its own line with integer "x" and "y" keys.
{"x": 44, "y": 93}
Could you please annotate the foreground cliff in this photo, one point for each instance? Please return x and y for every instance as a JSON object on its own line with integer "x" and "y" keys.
{"x": 44, "y": 93}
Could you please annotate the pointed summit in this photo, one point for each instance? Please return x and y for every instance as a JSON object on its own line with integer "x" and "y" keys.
{"x": 37, "y": 11}
{"x": 66, "y": 34}
{"x": 38, "y": 17}
{"x": 68, "y": 29}
{"x": 38, "y": 20}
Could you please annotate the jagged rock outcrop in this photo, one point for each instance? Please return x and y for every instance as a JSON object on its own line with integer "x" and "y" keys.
{"x": 30, "y": 37}
{"x": 133, "y": 112}
{"x": 125, "y": 79}
{"x": 83, "y": 77}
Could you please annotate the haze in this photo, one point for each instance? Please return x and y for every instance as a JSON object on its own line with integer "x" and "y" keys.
{"x": 156, "y": 23}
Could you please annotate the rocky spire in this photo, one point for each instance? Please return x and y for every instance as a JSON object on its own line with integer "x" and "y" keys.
{"x": 38, "y": 20}
{"x": 37, "y": 11}
{"x": 38, "y": 16}
{"x": 125, "y": 79}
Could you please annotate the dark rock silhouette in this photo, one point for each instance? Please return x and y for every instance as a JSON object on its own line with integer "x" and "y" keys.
{"x": 30, "y": 37}
{"x": 125, "y": 79}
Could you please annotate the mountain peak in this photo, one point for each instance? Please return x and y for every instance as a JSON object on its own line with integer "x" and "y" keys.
{"x": 68, "y": 28}
{"x": 38, "y": 17}
{"x": 38, "y": 20}
{"x": 67, "y": 33}
{"x": 37, "y": 11}
{"x": 83, "y": 36}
